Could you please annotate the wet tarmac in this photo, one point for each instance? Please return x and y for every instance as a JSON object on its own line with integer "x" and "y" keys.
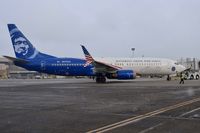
{"x": 81, "y": 105}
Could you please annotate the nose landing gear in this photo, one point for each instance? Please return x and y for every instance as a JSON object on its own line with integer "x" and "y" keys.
{"x": 168, "y": 78}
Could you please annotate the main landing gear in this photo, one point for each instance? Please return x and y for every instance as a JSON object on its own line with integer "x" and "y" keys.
{"x": 100, "y": 79}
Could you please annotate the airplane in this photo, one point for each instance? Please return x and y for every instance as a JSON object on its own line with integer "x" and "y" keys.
{"x": 28, "y": 57}
{"x": 140, "y": 65}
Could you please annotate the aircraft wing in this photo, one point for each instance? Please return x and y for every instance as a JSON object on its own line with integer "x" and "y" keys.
{"x": 99, "y": 67}
{"x": 104, "y": 67}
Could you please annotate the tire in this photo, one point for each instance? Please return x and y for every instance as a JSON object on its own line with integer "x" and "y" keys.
{"x": 100, "y": 79}
{"x": 191, "y": 77}
{"x": 197, "y": 77}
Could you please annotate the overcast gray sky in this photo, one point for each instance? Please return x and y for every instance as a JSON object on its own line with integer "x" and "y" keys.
{"x": 108, "y": 28}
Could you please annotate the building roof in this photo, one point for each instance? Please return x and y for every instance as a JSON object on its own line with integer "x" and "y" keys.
{"x": 2, "y": 59}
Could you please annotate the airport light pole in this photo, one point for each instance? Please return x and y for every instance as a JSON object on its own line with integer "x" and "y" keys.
{"x": 133, "y": 50}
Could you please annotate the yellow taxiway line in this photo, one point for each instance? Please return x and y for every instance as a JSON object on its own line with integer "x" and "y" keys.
{"x": 140, "y": 117}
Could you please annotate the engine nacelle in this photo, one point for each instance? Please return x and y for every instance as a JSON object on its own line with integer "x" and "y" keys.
{"x": 122, "y": 74}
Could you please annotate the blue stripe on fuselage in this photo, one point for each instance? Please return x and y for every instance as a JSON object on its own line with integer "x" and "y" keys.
{"x": 59, "y": 66}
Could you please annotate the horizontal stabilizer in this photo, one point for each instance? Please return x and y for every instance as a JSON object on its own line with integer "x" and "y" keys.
{"x": 16, "y": 59}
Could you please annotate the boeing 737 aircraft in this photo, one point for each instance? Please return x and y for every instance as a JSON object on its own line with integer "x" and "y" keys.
{"x": 28, "y": 57}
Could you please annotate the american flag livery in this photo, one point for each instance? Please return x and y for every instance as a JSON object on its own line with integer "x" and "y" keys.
{"x": 88, "y": 57}
{"x": 89, "y": 60}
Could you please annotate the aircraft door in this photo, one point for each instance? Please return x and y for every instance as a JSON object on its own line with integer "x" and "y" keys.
{"x": 43, "y": 65}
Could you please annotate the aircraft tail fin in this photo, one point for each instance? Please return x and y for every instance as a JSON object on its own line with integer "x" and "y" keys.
{"x": 88, "y": 57}
{"x": 22, "y": 46}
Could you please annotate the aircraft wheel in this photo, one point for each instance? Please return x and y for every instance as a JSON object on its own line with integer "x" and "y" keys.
{"x": 168, "y": 78}
{"x": 97, "y": 80}
{"x": 191, "y": 77}
{"x": 101, "y": 79}
{"x": 197, "y": 77}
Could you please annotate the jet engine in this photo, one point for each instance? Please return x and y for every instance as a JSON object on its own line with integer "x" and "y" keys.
{"x": 122, "y": 74}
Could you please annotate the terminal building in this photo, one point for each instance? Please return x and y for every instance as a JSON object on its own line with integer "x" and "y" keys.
{"x": 4, "y": 68}
{"x": 9, "y": 70}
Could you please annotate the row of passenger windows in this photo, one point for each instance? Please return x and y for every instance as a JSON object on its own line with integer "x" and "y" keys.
{"x": 139, "y": 61}
{"x": 117, "y": 64}
{"x": 68, "y": 64}
{"x": 138, "y": 64}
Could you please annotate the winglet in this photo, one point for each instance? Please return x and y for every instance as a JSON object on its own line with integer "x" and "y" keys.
{"x": 88, "y": 57}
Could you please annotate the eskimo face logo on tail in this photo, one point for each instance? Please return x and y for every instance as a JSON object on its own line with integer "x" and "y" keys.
{"x": 21, "y": 46}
